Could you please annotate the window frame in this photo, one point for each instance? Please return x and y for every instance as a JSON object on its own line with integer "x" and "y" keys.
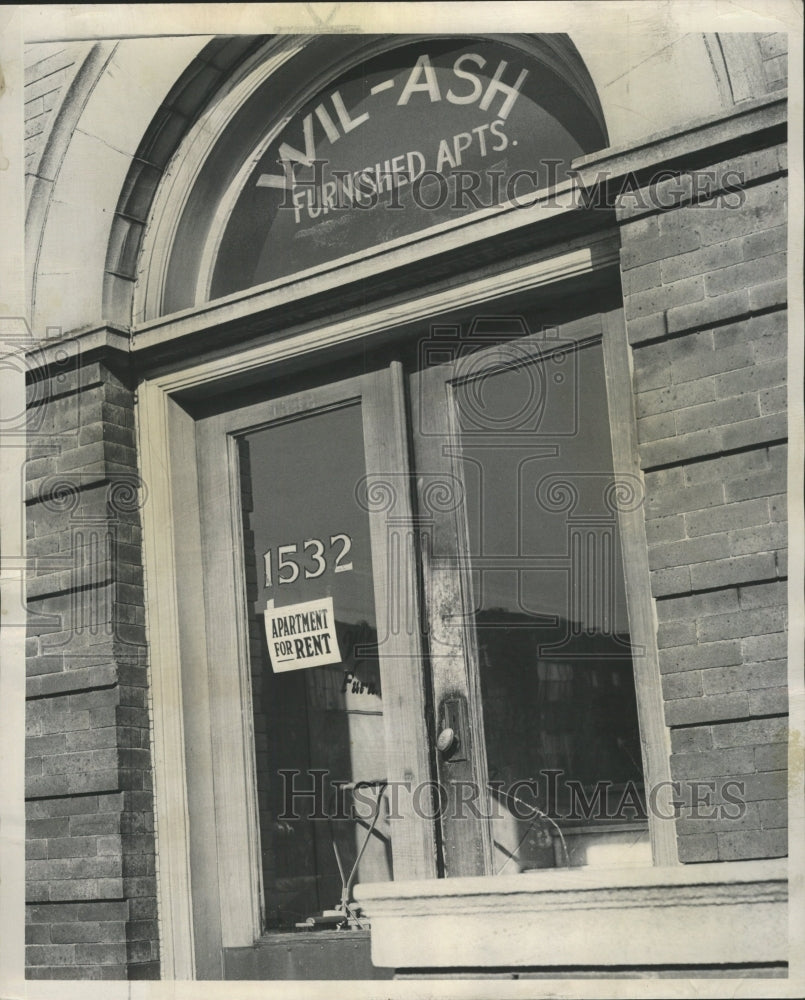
{"x": 234, "y": 117}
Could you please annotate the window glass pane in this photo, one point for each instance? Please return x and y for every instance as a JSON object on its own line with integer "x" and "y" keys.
{"x": 550, "y": 611}
{"x": 307, "y": 540}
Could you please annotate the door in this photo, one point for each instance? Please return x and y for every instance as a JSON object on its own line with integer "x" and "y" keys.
{"x": 436, "y": 644}
{"x": 538, "y": 748}
{"x": 305, "y": 503}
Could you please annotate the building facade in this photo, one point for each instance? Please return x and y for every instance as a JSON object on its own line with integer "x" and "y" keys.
{"x": 406, "y": 506}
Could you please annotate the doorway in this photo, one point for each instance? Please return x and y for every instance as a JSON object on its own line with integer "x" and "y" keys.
{"x": 431, "y": 604}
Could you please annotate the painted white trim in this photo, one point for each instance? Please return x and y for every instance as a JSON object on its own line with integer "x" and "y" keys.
{"x": 175, "y": 189}
{"x": 585, "y": 257}
{"x": 655, "y": 736}
{"x": 177, "y": 952}
{"x": 227, "y": 671}
{"x": 697, "y": 914}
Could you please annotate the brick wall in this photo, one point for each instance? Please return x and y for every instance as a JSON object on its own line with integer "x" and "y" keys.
{"x": 91, "y": 889}
{"x": 704, "y": 290}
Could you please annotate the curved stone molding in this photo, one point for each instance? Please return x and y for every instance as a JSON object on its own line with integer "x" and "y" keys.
{"x": 102, "y": 141}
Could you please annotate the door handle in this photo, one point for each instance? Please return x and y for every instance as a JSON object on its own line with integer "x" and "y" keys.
{"x": 447, "y": 740}
{"x": 453, "y": 739}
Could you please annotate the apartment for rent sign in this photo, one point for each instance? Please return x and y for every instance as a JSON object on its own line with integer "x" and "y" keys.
{"x": 301, "y": 635}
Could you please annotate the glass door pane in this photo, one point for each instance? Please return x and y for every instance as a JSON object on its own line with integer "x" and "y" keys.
{"x": 309, "y": 556}
{"x": 537, "y": 598}
{"x": 551, "y": 624}
{"x": 312, "y": 614}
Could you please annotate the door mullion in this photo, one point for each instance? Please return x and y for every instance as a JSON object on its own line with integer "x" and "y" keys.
{"x": 398, "y": 618}
{"x": 461, "y": 769}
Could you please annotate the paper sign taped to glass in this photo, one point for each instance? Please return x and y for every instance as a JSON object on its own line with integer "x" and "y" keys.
{"x": 301, "y": 635}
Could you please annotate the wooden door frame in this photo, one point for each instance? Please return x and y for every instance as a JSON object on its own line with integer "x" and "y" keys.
{"x": 211, "y": 884}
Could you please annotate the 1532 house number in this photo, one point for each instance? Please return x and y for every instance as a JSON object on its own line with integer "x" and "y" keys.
{"x": 311, "y": 561}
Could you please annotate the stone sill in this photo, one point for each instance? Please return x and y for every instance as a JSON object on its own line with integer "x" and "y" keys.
{"x": 733, "y": 912}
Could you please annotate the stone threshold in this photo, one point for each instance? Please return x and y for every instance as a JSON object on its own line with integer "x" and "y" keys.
{"x": 730, "y": 912}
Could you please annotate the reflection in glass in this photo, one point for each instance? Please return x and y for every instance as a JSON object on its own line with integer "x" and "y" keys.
{"x": 552, "y": 630}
